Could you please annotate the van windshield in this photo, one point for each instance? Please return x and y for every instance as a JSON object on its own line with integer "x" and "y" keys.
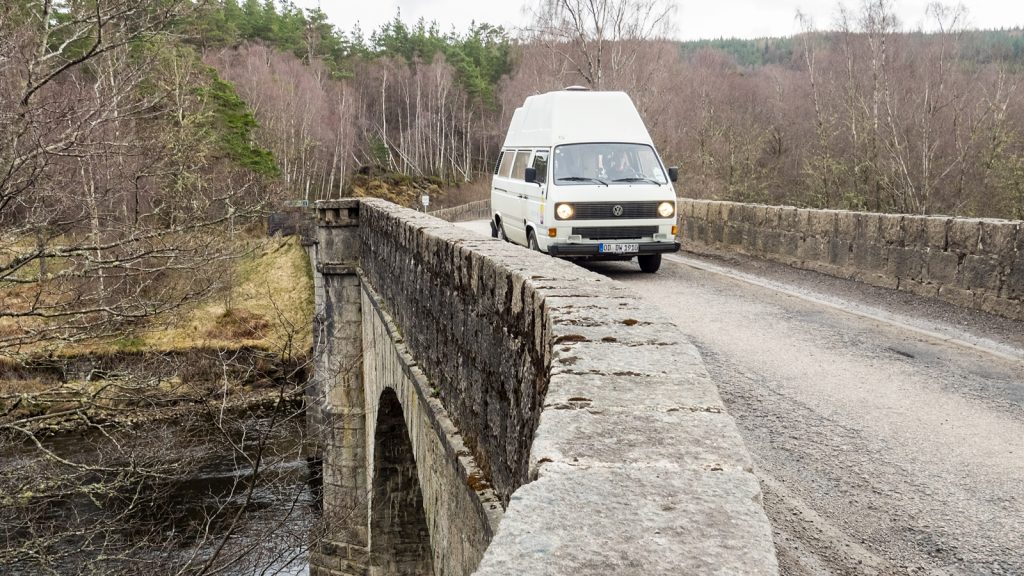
{"x": 607, "y": 163}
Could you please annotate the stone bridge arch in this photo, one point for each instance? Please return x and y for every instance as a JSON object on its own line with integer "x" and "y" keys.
{"x": 399, "y": 536}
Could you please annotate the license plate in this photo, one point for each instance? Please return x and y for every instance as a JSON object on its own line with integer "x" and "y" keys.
{"x": 618, "y": 248}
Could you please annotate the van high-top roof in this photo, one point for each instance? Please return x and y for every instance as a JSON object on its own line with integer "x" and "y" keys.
{"x": 574, "y": 116}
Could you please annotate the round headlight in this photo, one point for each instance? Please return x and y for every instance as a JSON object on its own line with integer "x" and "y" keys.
{"x": 666, "y": 209}
{"x": 564, "y": 211}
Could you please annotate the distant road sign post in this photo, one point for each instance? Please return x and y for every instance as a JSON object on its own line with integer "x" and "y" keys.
{"x": 425, "y": 199}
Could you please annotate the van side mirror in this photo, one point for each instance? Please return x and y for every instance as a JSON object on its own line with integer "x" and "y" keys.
{"x": 531, "y": 174}
{"x": 673, "y": 173}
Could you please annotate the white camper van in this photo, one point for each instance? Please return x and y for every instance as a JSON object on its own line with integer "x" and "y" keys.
{"x": 578, "y": 177}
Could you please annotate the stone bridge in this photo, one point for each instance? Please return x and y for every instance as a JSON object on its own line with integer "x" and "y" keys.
{"x": 484, "y": 409}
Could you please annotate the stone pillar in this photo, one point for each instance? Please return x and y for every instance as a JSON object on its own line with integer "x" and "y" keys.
{"x": 337, "y": 407}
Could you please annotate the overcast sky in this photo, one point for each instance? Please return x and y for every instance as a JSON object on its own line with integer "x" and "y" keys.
{"x": 694, "y": 19}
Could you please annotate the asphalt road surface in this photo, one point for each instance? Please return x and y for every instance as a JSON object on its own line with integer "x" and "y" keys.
{"x": 887, "y": 430}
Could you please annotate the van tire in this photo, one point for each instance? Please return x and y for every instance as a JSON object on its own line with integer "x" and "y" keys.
{"x": 494, "y": 230}
{"x": 500, "y": 231}
{"x": 532, "y": 241}
{"x": 649, "y": 263}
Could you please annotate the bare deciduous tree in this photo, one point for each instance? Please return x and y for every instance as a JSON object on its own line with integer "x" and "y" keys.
{"x": 600, "y": 38}
{"x": 105, "y": 188}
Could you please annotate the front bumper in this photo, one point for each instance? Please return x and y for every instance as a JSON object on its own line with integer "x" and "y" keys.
{"x": 593, "y": 250}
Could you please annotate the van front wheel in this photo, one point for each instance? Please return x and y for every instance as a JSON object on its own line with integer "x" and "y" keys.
{"x": 532, "y": 240}
{"x": 499, "y": 230}
{"x": 649, "y": 263}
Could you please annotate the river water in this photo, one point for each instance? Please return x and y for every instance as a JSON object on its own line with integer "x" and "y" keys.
{"x": 217, "y": 495}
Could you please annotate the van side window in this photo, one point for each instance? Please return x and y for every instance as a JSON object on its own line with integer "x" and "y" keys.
{"x": 519, "y": 168}
{"x": 507, "y": 157}
{"x": 497, "y": 163}
{"x": 540, "y": 163}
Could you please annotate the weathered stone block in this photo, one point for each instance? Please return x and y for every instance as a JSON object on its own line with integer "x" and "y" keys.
{"x": 720, "y": 211}
{"x": 914, "y": 231}
{"x": 889, "y": 229}
{"x": 760, "y": 215}
{"x": 957, "y": 296}
{"x": 1005, "y": 307}
{"x": 701, "y": 210}
{"x": 803, "y": 220}
{"x": 867, "y": 226}
{"x": 700, "y": 232}
{"x": 919, "y": 288}
{"x": 905, "y": 263}
{"x": 964, "y": 235}
{"x": 881, "y": 280}
{"x": 822, "y": 223}
{"x": 998, "y": 238}
{"x": 770, "y": 243}
{"x": 941, "y": 267}
{"x": 717, "y": 235}
{"x": 789, "y": 243}
{"x": 812, "y": 249}
{"x": 839, "y": 251}
{"x": 738, "y": 213}
{"x": 979, "y": 272}
{"x": 733, "y": 235}
{"x": 935, "y": 232}
{"x": 578, "y": 525}
{"x": 789, "y": 219}
{"x": 752, "y": 239}
{"x": 821, "y": 267}
{"x": 869, "y": 257}
{"x": 1014, "y": 286}
{"x": 846, "y": 225}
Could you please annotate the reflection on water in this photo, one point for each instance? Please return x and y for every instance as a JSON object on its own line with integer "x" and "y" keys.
{"x": 214, "y": 495}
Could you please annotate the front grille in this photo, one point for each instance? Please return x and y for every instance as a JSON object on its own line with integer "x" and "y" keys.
{"x": 603, "y": 210}
{"x": 615, "y": 232}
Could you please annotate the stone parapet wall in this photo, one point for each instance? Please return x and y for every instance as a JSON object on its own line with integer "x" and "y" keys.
{"x": 969, "y": 262}
{"x": 479, "y": 210}
{"x": 589, "y": 415}
{"x": 469, "y": 323}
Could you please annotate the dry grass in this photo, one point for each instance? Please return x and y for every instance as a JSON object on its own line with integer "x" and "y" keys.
{"x": 269, "y": 306}
{"x": 265, "y": 301}
{"x": 459, "y": 194}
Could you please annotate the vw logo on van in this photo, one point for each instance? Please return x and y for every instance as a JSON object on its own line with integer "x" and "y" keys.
{"x": 617, "y": 210}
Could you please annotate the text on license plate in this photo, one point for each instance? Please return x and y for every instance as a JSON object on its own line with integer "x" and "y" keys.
{"x": 618, "y": 248}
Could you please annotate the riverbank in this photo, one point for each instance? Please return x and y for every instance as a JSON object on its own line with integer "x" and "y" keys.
{"x": 245, "y": 345}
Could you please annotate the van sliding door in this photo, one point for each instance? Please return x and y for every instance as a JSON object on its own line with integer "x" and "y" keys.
{"x": 504, "y": 202}
{"x": 515, "y": 222}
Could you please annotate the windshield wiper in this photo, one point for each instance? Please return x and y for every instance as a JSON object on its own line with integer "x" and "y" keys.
{"x": 634, "y": 179}
{"x": 582, "y": 179}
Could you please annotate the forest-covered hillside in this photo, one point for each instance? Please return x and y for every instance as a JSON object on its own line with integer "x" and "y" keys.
{"x": 979, "y": 46}
{"x": 864, "y": 116}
